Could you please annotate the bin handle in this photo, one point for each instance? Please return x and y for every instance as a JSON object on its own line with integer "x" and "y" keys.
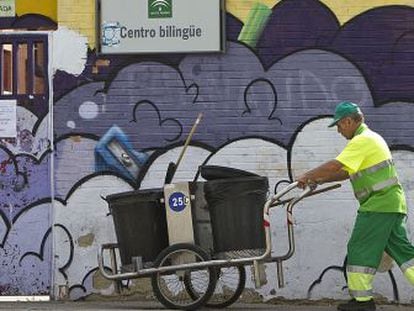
{"x": 106, "y": 200}
{"x": 172, "y": 167}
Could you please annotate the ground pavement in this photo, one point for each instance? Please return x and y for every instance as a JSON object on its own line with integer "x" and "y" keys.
{"x": 149, "y": 305}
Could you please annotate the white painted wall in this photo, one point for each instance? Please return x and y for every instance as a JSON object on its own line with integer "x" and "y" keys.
{"x": 69, "y": 51}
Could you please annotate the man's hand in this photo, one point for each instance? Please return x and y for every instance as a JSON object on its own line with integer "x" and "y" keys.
{"x": 327, "y": 172}
{"x": 304, "y": 180}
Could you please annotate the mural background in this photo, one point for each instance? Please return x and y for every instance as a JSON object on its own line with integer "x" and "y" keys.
{"x": 266, "y": 104}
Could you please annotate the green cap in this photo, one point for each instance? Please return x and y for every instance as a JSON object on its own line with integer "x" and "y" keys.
{"x": 343, "y": 110}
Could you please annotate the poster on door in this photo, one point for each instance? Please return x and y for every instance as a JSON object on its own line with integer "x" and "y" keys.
{"x": 8, "y": 119}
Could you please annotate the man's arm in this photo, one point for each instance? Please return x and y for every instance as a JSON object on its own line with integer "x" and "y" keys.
{"x": 327, "y": 172}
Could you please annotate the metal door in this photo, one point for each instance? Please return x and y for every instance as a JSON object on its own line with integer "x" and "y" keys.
{"x": 25, "y": 165}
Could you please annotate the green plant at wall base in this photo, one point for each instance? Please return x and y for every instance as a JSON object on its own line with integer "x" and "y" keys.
{"x": 255, "y": 23}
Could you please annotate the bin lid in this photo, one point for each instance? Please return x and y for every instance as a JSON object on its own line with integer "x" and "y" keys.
{"x": 238, "y": 184}
{"x": 143, "y": 195}
{"x": 212, "y": 172}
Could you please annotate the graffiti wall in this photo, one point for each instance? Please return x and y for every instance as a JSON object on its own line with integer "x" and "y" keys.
{"x": 266, "y": 104}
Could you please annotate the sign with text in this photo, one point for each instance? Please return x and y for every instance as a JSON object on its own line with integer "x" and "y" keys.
{"x": 8, "y": 119}
{"x": 160, "y": 26}
{"x": 7, "y": 8}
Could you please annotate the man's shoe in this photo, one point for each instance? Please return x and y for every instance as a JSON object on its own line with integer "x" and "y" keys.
{"x": 354, "y": 305}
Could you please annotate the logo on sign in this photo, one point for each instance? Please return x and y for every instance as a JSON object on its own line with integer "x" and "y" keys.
{"x": 111, "y": 33}
{"x": 7, "y": 8}
{"x": 177, "y": 201}
{"x": 159, "y": 8}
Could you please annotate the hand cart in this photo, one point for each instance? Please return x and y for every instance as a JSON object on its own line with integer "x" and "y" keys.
{"x": 185, "y": 275}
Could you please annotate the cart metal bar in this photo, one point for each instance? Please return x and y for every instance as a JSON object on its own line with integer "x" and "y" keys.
{"x": 226, "y": 262}
{"x": 114, "y": 268}
{"x": 204, "y": 264}
{"x": 289, "y": 214}
{"x": 280, "y": 275}
{"x": 291, "y": 238}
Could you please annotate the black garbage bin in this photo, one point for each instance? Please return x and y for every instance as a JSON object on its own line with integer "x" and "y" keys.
{"x": 236, "y": 213}
{"x": 140, "y": 224}
{"x": 212, "y": 172}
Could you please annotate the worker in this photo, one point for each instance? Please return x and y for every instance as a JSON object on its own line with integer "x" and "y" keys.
{"x": 380, "y": 222}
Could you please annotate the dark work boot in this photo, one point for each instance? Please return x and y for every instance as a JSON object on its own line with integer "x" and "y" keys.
{"x": 354, "y": 305}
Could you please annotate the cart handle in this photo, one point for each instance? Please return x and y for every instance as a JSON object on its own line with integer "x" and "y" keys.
{"x": 308, "y": 192}
{"x": 284, "y": 191}
{"x": 275, "y": 199}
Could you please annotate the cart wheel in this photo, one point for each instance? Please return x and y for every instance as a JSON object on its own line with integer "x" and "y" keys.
{"x": 169, "y": 287}
{"x": 230, "y": 285}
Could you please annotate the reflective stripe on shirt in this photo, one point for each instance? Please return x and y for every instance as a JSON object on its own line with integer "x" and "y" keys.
{"x": 360, "y": 195}
{"x": 372, "y": 169}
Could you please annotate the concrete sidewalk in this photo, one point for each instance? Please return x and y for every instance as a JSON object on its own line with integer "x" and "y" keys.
{"x": 149, "y": 305}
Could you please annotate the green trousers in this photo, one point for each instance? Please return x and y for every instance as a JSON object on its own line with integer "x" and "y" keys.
{"x": 373, "y": 234}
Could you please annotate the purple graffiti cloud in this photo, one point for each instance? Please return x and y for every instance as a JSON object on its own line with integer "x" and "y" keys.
{"x": 296, "y": 25}
{"x": 137, "y": 100}
{"x": 67, "y": 109}
{"x": 25, "y": 257}
{"x": 241, "y": 99}
{"x": 19, "y": 177}
{"x": 380, "y": 42}
{"x": 155, "y": 104}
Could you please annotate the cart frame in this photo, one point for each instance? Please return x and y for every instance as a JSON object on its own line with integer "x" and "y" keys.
{"x": 266, "y": 257}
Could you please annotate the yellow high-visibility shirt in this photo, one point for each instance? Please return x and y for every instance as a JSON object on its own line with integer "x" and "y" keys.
{"x": 363, "y": 151}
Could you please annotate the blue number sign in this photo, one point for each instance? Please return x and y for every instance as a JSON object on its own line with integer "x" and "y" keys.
{"x": 177, "y": 201}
